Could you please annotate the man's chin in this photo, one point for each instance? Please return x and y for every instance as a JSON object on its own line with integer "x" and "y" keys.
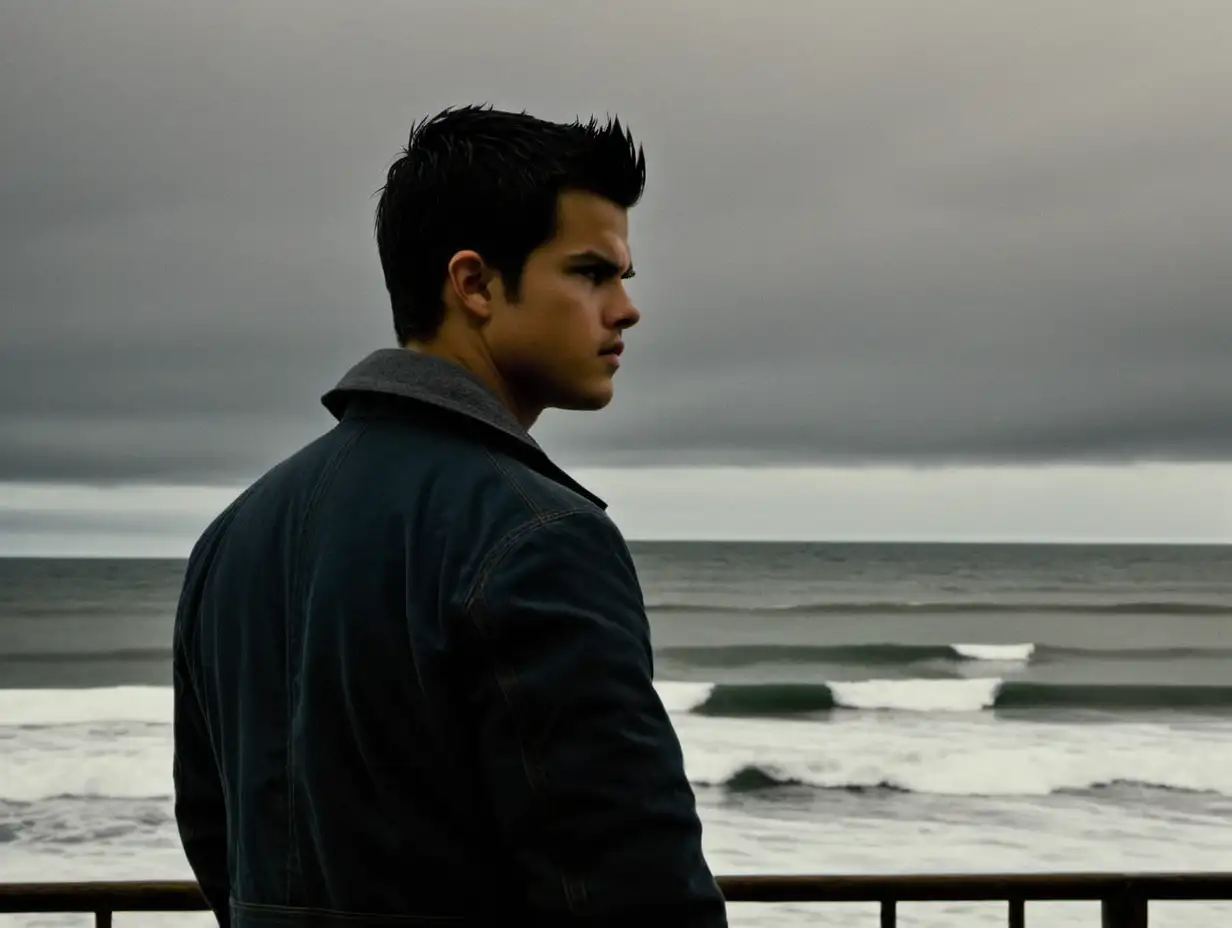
{"x": 590, "y": 400}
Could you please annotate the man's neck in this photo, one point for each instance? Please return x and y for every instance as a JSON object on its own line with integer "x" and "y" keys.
{"x": 480, "y": 364}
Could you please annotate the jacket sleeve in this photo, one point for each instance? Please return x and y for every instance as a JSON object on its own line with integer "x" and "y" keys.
{"x": 583, "y": 767}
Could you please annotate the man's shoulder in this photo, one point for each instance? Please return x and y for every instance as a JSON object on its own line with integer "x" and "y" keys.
{"x": 500, "y": 506}
{"x": 442, "y": 485}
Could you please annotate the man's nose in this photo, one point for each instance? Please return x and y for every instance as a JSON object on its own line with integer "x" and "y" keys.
{"x": 628, "y": 315}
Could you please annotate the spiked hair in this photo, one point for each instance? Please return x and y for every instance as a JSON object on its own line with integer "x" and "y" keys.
{"x": 477, "y": 178}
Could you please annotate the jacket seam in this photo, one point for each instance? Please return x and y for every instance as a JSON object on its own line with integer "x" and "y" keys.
{"x": 506, "y": 544}
{"x": 513, "y": 482}
{"x": 506, "y": 681}
{"x": 533, "y": 770}
{"x": 573, "y": 889}
{"x": 324, "y": 480}
{"x": 211, "y": 549}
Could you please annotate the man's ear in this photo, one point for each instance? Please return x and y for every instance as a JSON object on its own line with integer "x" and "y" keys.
{"x": 470, "y": 280}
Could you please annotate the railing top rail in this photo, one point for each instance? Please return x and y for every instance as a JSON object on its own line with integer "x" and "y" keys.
{"x": 978, "y": 887}
{"x": 176, "y": 896}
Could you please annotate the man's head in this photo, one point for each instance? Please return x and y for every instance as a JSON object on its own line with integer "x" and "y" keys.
{"x": 504, "y": 243}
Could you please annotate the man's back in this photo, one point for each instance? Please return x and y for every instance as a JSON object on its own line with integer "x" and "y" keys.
{"x": 413, "y": 679}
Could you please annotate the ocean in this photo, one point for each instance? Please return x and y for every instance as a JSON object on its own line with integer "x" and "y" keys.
{"x": 844, "y": 708}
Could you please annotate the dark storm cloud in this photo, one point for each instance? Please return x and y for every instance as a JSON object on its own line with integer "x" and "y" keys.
{"x": 885, "y": 231}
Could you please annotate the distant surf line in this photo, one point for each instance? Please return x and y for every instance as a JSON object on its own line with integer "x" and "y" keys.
{"x": 890, "y": 653}
{"x": 950, "y": 607}
{"x": 86, "y": 657}
{"x": 754, "y": 778}
{"x": 866, "y": 654}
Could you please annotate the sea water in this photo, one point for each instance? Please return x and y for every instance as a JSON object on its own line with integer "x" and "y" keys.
{"x": 843, "y": 709}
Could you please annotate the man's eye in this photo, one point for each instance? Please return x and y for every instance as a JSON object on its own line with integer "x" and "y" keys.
{"x": 595, "y": 275}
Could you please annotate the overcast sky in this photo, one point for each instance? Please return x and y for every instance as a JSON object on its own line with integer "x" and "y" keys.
{"x": 880, "y": 234}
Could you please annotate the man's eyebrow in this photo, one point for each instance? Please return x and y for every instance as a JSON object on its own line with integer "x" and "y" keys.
{"x": 595, "y": 259}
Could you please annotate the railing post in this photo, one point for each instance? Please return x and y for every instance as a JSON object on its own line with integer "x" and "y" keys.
{"x": 1018, "y": 913}
{"x": 102, "y": 919}
{"x": 1125, "y": 910}
{"x": 889, "y": 913}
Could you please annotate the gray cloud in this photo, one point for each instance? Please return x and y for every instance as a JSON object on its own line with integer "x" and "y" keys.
{"x": 885, "y": 231}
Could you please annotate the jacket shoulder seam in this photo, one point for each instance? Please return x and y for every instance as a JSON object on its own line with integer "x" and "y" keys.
{"x": 307, "y": 528}
{"x": 513, "y": 482}
{"x": 502, "y": 548}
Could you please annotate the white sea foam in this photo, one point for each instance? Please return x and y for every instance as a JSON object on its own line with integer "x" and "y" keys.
{"x": 917, "y": 695}
{"x": 77, "y": 706}
{"x": 678, "y": 696}
{"x": 89, "y": 754}
{"x": 111, "y": 765}
{"x": 1010, "y": 653}
{"x": 959, "y": 755}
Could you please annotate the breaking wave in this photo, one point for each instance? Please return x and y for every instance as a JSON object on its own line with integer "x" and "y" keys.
{"x": 116, "y": 742}
{"x": 152, "y": 704}
{"x": 964, "y": 695}
{"x": 755, "y": 778}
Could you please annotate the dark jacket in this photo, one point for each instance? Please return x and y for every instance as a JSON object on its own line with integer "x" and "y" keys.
{"x": 413, "y": 683}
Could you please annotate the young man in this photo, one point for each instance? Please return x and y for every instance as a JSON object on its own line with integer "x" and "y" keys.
{"x": 412, "y": 663}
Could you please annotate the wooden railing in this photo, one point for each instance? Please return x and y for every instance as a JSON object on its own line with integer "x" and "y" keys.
{"x": 1123, "y": 898}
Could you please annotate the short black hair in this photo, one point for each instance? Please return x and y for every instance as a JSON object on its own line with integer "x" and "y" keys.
{"x": 478, "y": 178}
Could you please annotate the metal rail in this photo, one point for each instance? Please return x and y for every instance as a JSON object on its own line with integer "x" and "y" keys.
{"x": 1123, "y": 897}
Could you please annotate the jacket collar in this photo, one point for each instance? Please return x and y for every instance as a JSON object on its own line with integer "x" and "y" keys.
{"x": 423, "y": 378}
